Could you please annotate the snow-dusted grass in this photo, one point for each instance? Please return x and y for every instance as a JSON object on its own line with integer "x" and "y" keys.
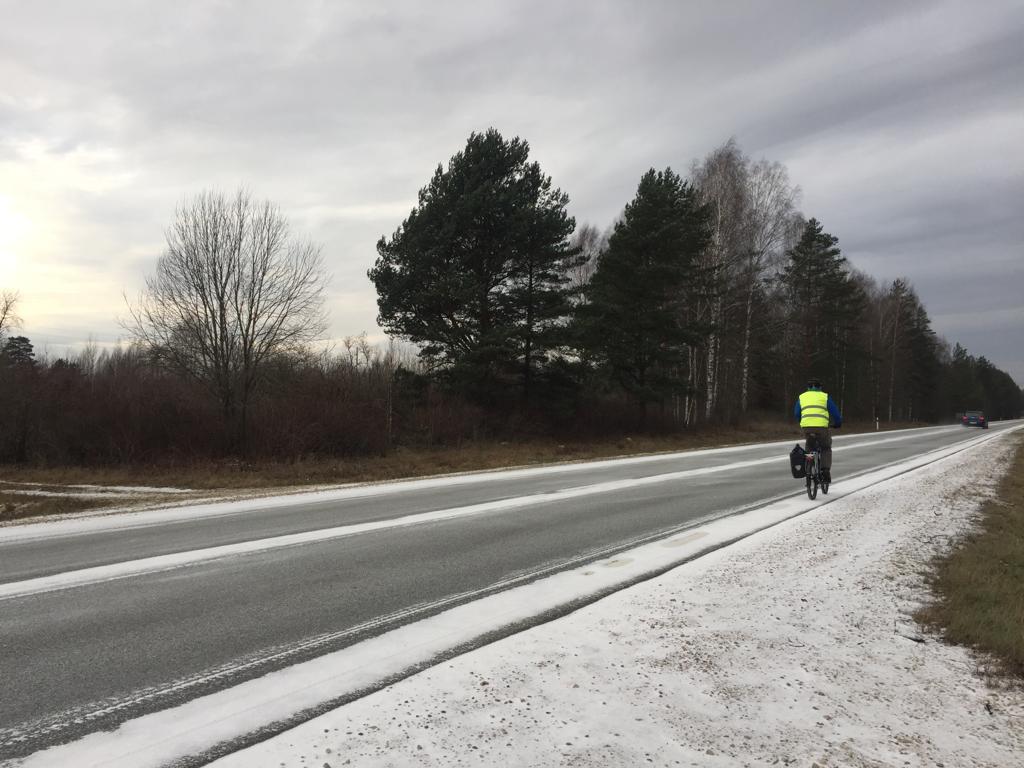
{"x": 15, "y": 506}
{"x": 795, "y": 646}
{"x": 980, "y": 585}
{"x": 41, "y": 501}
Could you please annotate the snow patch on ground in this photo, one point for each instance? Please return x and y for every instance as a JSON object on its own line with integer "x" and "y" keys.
{"x": 87, "y": 491}
{"x": 795, "y": 646}
{"x": 133, "y": 488}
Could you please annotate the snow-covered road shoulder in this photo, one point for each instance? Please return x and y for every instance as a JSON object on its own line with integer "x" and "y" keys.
{"x": 794, "y": 646}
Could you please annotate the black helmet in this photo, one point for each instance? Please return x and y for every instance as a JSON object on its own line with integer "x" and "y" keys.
{"x": 814, "y": 383}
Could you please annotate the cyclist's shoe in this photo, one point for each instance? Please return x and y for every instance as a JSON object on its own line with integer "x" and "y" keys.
{"x": 826, "y": 475}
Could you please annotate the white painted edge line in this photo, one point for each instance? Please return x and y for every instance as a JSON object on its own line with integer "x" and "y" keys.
{"x": 185, "y": 513}
{"x": 199, "y": 725}
{"x": 101, "y": 573}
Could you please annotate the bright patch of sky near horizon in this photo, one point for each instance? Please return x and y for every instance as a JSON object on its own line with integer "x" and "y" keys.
{"x": 900, "y": 122}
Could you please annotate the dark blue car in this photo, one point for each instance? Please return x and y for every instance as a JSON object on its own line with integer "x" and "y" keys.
{"x": 974, "y": 419}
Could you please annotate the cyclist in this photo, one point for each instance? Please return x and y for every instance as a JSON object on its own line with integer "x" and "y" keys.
{"x": 815, "y": 410}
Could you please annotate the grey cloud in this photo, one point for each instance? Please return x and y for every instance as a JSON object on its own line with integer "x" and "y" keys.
{"x": 987, "y": 75}
{"x": 340, "y": 112}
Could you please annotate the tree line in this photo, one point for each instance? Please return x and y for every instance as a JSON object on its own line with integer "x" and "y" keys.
{"x": 710, "y": 299}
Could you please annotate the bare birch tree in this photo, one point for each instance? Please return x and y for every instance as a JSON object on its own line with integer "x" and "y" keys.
{"x": 588, "y": 243}
{"x": 8, "y": 318}
{"x": 772, "y": 210}
{"x": 722, "y": 181}
{"x": 233, "y": 288}
{"x": 895, "y": 306}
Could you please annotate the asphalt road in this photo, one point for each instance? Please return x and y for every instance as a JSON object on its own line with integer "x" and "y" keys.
{"x": 84, "y": 658}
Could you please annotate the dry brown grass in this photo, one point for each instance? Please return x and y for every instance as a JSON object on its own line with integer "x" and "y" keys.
{"x": 17, "y": 506}
{"x": 979, "y": 586}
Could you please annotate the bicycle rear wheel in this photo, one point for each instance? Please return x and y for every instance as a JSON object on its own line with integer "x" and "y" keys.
{"x": 812, "y": 480}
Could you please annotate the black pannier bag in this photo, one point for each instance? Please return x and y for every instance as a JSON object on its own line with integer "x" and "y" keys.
{"x": 797, "y": 464}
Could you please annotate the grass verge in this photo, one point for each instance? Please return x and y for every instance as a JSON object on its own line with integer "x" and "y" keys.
{"x": 979, "y": 586}
{"x": 18, "y": 506}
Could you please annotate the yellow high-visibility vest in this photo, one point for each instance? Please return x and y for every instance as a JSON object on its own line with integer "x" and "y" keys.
{"x": 813, "y": 409}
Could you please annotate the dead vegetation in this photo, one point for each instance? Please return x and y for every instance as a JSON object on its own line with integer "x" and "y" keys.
{"x": 15, "y": 506}
{"x": 979, "y": 586}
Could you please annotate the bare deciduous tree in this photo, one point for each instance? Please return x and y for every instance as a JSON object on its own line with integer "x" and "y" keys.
{"x": 8, "y": 319}
{"x": 772, "y": 213}
{"x": 722, "y": 179}
{"x": 233, "y": 288}
{"x": 590, "y": 243}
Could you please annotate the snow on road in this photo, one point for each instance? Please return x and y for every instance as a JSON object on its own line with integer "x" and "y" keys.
{"x": 795, "y": 646}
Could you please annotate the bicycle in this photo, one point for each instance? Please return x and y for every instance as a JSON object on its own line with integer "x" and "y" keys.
{"x": 813, "y": 471}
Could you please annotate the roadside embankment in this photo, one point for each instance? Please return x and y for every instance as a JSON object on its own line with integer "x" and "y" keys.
{"x": 979, "y": 585}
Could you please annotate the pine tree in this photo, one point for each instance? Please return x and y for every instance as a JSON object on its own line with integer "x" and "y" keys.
{"x": 474, "y": 275}
{"x": 825, "y": 304}
{"x": 638, "y": 320}
{"x": 18, "y": 350}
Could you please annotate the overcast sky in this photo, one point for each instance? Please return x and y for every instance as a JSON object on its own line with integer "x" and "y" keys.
{"x": 902, "y": 122}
